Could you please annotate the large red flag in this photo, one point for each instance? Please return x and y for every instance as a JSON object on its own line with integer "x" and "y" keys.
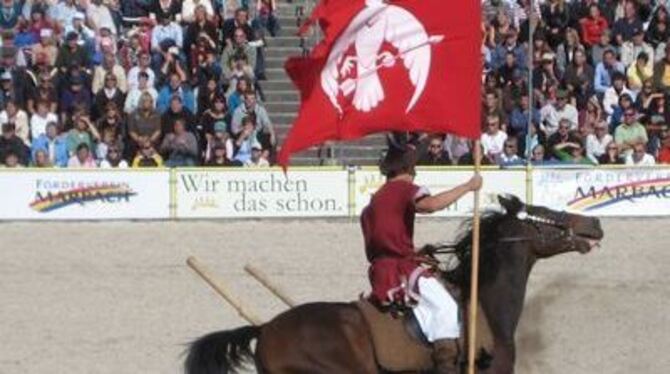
{"x": 399, "y": 65}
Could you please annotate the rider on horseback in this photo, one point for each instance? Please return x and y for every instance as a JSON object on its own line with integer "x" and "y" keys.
{"x": 395, "y": 272}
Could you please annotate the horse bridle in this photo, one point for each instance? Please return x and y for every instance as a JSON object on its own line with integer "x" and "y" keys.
{"x": 539, "y": 223}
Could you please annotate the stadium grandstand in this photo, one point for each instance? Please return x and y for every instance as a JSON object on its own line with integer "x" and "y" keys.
{"x": 150, "y": 83}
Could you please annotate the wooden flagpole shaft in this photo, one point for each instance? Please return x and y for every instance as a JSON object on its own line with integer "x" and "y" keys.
{"x": 222, "y": 290}
{"x": 265, "y": 281}
{"x": 474, "y": 278}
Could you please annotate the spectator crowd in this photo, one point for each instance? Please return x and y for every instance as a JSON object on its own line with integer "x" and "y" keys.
{"x": 600, "y": 85}
{"x": 134, "y": 83}
{"x": 137, "y": 83}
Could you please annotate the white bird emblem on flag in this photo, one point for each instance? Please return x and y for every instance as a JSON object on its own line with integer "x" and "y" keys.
{"x": 377, "y": 23}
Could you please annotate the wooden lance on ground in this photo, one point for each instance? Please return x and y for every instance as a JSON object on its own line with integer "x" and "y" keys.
{"x": 222, "y": 290}
{"x": 265, "y": 281}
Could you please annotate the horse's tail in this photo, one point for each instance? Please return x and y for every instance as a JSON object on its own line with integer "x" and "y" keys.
{"x": 221, "y": 352}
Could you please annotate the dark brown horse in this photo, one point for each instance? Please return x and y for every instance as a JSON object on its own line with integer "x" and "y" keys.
{"x": 334, "y": 337}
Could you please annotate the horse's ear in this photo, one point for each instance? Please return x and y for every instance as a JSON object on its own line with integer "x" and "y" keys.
{"x": 510, "y": 203}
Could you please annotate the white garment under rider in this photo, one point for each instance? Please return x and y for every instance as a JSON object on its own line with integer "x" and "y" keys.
{"x": 437, "y": 311}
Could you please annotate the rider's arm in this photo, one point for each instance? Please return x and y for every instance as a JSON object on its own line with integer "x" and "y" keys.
{"x": 431, "y": 204}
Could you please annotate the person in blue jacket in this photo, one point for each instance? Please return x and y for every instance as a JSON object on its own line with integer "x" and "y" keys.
{"x": 175, "y": 88}
{"x": 53, "y": 144}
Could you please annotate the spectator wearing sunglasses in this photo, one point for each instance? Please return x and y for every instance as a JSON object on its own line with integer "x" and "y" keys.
{"x": 509, "y": 155}
{"x": 113, "y": 160}
{"x": 611, "y": 155}
{"x": 436, "y": 154}
{"x": 630, "y": 132}
{"x": 493, "y": 139}
{"x": 553, "y": 113}
{"x": 562, "y": 137}
{"x": 614, "y": 93}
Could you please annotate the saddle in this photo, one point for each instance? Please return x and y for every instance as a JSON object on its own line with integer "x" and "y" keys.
{"x": 400, "y": 345}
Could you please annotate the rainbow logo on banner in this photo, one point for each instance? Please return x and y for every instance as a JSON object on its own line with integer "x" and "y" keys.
{"x": 592, "y": 199}
{"x": 50, "y": 201}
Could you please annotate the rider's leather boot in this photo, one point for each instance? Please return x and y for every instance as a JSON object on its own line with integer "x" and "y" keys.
{"x": 445, "y": 356}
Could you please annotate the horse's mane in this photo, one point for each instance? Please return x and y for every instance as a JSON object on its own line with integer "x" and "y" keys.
{"x": 488, "y": 259}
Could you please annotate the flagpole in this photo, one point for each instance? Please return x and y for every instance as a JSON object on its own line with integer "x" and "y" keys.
{"x": 474, "y": 271}
{"x": 531, "y": 104}
{"x": 530, "y": 62}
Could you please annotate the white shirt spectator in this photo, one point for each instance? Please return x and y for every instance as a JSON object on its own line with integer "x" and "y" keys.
{"x": 261, "y": 163}
{"x": 611, "y": 99}
{"x": 493, "y": 144}
{"x": 646, "y": 160}
{"x": 104, "y": 164}
{"x": 38, "y": 124}
{"x": 188, "y": 9}
{"x": 505, "y": 159}
{"x": 133, "y": 98}
{"x": 164, "y": 32}
{"x": 84, "y": 33}
{"x": 63, "y": 13}
{"x": 133, "y": 77}
{"x": 659, "y": 53}
{"x": 630, "y": 51}
{"x": 550, "y": 116}
{"x": 100, "y": 16}
{"x": 21, "y": 124}
{"x": 100, "y": 73}
{"x": 74, "y": 162}
{"x": 597, "y": 147}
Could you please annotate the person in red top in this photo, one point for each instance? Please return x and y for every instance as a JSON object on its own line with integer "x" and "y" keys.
{"x": 395, "y": 269}
{"x": 664, "y": 153}
{"x": 593, "y": 26}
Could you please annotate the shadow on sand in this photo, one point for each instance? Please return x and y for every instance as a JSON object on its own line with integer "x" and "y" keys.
{"x": 530, "y": 341}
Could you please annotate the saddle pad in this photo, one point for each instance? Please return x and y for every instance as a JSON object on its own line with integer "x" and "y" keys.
{"x": 395, "y": 348}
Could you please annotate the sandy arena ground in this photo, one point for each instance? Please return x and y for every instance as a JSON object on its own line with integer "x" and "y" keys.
{"x": 96, "y": 298}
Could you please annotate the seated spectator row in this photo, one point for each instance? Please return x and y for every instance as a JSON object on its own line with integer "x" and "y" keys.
{"x": 600, "y": 84}
{"x": 88, "y": 83}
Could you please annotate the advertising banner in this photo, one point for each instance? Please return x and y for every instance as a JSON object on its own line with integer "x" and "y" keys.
{"x": 262, "y": 193}
{"x": 201, "y": 193}
{"x": 604, "y": 192}
{"x": 94, "y": 195}
{"x": 496, "y": 182}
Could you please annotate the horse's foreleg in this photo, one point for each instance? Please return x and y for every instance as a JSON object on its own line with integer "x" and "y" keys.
{"x": 502, "y": 302}
{"x": 504, "y": 354}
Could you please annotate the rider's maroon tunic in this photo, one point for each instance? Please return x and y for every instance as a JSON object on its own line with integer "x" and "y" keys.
{"x": 388, "y": 229}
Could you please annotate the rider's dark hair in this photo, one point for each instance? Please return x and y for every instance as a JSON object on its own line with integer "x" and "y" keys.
{"x": 398, "y": 160}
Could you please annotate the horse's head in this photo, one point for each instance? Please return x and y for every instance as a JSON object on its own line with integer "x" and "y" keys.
{"x": 550, "y": 232}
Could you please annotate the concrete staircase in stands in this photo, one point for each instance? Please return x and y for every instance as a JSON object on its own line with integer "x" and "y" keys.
{"x": 282, "y": 99}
